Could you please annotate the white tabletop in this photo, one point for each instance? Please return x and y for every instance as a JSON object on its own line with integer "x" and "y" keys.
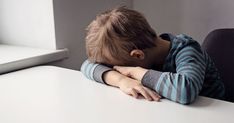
{"x": 48, "y": 94}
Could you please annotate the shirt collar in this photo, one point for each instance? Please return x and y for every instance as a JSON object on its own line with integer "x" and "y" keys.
{"x": 168, "y": 60}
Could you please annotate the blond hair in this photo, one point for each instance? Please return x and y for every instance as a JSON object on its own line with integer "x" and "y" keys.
{"x": 115, "y": 33}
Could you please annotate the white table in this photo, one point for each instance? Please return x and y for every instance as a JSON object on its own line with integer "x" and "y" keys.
{"x": 48, "y": 94}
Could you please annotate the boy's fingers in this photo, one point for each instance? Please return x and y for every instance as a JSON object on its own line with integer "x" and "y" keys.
{"x": 122, "y": 70}
{"x": 153, "y": 94}
{"x": 156, "y": 94}
{"x": 144, "y": 93}
{"x": 115, "y": 68}
{"x": 133, "y": 93}
{"x": 118, "y": 68}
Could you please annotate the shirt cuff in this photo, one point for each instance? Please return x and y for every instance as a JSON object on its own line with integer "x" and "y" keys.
{"x": 150, "y": 79}
{"x": 98, "y": 73}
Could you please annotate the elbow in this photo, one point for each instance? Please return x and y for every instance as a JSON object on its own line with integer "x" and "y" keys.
{"x": 86, "y": 69}
{"x": 186, "y": 99}
{"x": 84, "y": 66}
{"x": 188, "y": 94}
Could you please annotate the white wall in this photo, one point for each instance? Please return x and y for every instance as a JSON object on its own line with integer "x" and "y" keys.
{"x": 71, "y": 19}
{"x": 163, "y": 15}
{"x": 27, "y": 23}
{"x": 39, "y": 23}
{"x": 194, "y": 17}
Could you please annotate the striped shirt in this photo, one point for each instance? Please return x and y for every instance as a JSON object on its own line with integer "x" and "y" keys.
{"x": 188, "y": 71}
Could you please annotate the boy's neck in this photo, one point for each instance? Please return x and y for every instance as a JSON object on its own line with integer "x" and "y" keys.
{"x": 161, "y": 52}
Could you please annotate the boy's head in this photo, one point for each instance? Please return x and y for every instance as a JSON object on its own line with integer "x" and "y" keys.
{"x": 119, "y": 37}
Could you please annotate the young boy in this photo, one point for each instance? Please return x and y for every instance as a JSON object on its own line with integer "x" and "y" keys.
{"x": 125, "y": 52}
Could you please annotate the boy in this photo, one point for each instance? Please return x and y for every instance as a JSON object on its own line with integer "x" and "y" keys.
{"x": 125, "y": 52}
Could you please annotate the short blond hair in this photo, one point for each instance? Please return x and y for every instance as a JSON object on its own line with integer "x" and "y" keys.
{"x": 115, "y": 33}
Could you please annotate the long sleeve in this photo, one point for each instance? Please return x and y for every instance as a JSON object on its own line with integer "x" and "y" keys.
{"x": 94, "y": 71}
{"x": 184, "y": 85}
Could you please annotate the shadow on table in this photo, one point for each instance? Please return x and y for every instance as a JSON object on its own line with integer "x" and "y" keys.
{"x": 204, "y": 102}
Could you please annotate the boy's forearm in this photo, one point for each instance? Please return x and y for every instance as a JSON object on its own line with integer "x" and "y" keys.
{"x": 94, "y": 71}
{"x": 101, "y": 74}
{"x": 113, "y": 78}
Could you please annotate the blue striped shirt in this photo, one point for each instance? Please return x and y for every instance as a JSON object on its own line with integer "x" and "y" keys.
{"x": 188, "y": 71}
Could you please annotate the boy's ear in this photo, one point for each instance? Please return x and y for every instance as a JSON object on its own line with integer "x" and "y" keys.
{"x": 136, "y": 53}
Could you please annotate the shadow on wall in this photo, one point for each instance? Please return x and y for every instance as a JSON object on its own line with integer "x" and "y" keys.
{"x": 193, "y": 17}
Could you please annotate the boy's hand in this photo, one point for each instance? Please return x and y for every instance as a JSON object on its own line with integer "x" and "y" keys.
{"x": 129, "y": 86}
{"x": 135, "y": 88}
{"x": 133, "y": 72}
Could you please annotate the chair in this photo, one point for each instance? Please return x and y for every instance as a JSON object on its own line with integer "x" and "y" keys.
{"x": 219, "y": 44}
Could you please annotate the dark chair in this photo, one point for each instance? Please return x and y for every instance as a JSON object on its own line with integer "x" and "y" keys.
{"x": 219, "y": 44}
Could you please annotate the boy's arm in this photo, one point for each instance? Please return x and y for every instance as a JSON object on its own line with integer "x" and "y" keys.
{"x": 184, "y": 85}
{"x": 106, "y": 75}
{"x": 94, "y": 71}
{"x": 101, "y": 73}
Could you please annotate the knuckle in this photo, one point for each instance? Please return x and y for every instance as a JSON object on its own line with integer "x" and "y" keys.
{"x": 131, "y": 89}
{"x": 139, "y": 87}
